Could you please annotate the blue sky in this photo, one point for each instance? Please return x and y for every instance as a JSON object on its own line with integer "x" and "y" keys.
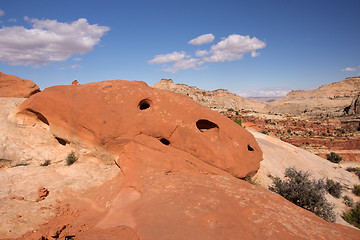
{"x": 249, "y": 47}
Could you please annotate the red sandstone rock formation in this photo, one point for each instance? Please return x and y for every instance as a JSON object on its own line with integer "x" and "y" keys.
{"x": 12, "y": 86}
{"x": 117, "y": 114}
{"x": 179, "y": 167}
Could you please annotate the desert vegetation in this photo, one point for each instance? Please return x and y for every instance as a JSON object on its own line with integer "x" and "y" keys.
{"x": 309, "y": 194}
{"x": 71, "y": 159}
{"x": 353, "y": 215}
{"x": 356, "y": 189}
{"x": 333, "y": 157}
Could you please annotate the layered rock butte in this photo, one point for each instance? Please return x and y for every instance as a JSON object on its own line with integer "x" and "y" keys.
{"x": 335, "y": 99}
{"x": 329, "y": 100}
{"x": 178, "y": 163}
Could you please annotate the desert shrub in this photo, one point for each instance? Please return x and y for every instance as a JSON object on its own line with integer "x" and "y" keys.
{"x": 356, "y": 170}
{"x": 71, "y": 158}
{"x": 334, "y": 188}
{"x": 230, "y": 110}
{"x": 309, "y": 194}
{"x": 238, "y": 121}
{"x": 356, "y": 190}
{"x": 353, "y": 215}
{"x": 348, "y": 201}
{"x": 265, "y": 132}
{"x": 333, "y": 157}
{"x": 45, "y": 163}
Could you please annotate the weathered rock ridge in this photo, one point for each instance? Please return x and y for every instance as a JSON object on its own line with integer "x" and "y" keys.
{"x": 327, "y": 100}
{"x": 220, "y": 99}
{"x": 354, "y": 108}
{"x": 334, "y": 99}
{"x": 12, "y": 86}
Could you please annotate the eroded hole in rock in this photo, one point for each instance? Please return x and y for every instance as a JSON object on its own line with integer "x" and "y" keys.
{"x": 39, "y": 116}
{"x": 144, "y": 104}
{"x": 61, "y": 141}
{"x": 250, "y": 148}
{"x": 205, "y": 125}
{"x": 164, "y": 141}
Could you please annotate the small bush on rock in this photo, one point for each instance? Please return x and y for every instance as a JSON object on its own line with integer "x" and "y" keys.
{"x": 348, "y": 201}
{"x": 353, "y": 216}
{"x": 333, "y": 157}
{"x": 356, "y": 190}
{"x": 238, "y": 121}
{"x": 71, "y": 158}
{"x": 334, "y": 188}
{"x": 309, "y": 194}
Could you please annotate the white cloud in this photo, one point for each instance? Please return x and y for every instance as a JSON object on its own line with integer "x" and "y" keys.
{"x": 48, "y": 41}
{"x": 348, "y": 69}
{"x": 203, "y": 39}
{"x": 2, "y": 12}
{"x": 228, "y": 49}
{"x": 12, "y": 20}
{"x": 77, "y": 59}
{"x": 184, "y": 64}
{"x": 270, "y": 92}
{"x": 166, "y": 58}
{"x": 201, "y": 53}
{"x": 234, "y": 47}
{"x": 75, "y": 66}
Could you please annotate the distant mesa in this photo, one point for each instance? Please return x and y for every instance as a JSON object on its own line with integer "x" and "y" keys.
{"x": 330, "y": 100}
{"x": 12, "y": 86}
{"x": 335, "y": 99}
{"x": 219, "y": 100}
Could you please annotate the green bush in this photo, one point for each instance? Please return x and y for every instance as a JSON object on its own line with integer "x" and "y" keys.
{"x": 238, "y": 121}
{"x": 356, "y": 190}
{"x": 306, "y": 193}
{"x": 334, "y": 188}
{"x": 71, "y": 158}
{"x": 348, "y": 201}
{"x": 353, "y": 215}
{"x": 333, "y": 157}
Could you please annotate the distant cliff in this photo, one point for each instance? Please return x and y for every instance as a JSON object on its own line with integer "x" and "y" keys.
{"x": 334, "y": 99}
{"x": 220, "y": 99}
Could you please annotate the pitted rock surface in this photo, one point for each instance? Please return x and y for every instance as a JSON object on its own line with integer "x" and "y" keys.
{"x": 112, "y": 114}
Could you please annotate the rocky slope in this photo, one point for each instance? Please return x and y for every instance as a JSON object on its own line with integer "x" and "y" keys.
{"x": 219, "y": 100}
{"x": 328, "y": 100}
{"x": 12, "y": 86}
{"x": 178, "y": 170}
{"x": 317, "y": 135}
